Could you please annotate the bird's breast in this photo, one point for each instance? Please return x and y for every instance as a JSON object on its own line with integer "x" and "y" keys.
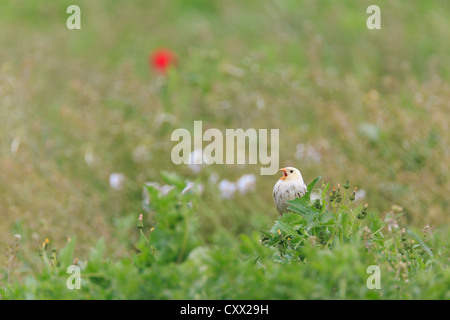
{"x": 287, "y": 190}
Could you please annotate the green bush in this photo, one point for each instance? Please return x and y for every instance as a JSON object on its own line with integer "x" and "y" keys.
{"x": 320, "y": 250}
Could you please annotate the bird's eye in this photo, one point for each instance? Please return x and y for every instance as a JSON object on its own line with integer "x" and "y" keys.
{"x": 292, "y": 171}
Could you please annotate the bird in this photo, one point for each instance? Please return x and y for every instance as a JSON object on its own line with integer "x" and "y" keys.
{"x": 289, "y": 187}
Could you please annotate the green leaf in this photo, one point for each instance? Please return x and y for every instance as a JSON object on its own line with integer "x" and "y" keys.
{"x": 284, "y": 228}
{"x": 172, "y": 179}
{"x": 302, "y": 207}
{"x": 326, "y": 217}
{"x": 96, "y": 256}
{"x": 65, "y": 256}
{"x": 291, "y": 218}
{"x": 424, "y": 246}
{"x": 310, "y": 188}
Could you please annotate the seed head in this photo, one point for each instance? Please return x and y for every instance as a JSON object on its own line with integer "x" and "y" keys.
{"x": 353, "y": 196}
{"x": 363, "y": 213}
{"x": 45, "y": 244}
{"x": 346, "y": 185}
{"x": 140, "y": 222}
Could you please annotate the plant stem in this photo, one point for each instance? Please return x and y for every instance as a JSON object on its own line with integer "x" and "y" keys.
{"x": 185, "y": 239}
{"x": 142, "y": 233}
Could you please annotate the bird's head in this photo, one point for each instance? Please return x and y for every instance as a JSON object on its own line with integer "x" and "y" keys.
{"x": 291, "y": 174}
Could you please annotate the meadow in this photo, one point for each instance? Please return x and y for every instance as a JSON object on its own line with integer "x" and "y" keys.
{"x": 86, "y": 145}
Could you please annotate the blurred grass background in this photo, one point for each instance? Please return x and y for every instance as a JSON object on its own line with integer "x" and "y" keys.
{"x": 77, "y": 104}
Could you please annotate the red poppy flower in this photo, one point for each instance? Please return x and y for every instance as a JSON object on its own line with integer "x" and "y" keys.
{"x": 162, "y": 59}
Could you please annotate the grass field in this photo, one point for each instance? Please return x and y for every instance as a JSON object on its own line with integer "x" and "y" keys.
{"x": 370, "y": 106}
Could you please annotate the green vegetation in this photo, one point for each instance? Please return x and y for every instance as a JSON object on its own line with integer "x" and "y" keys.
{"x": 350, "y": 103}
{"x": 170, "y": 261}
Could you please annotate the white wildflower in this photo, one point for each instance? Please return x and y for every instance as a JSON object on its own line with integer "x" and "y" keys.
{"x": 165, "y": 189}
{"x": 164, "y": 117}
{"x": 89, "y": 158}
{"x": 308, "y": 153}
{"x": 315, "y": 195}
{"x": 213, "y": 178}
{"x": 193, "y": 187}
{"x": 116, "y": 180}
{"x": 246, "y": 183}
{"x": 392, "y": 224}
{"x": 162, "y": 189}
{"x": 141, "y": 154}
{"x": 227, "y": 189}
{"x": 15, "y": 144}
{"x": 196, "y": 160}
{"x": 260, "y": 103}
{"x": 360, "y": 194}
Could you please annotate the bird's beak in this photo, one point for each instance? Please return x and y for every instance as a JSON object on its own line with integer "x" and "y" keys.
{"x": 284, "y": 174}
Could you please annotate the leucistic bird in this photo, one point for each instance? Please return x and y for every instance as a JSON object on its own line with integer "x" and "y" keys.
{"x": 289, "y": 187}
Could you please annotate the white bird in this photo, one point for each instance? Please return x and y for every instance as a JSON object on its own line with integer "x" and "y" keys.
{"x": 289, "y": 187}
